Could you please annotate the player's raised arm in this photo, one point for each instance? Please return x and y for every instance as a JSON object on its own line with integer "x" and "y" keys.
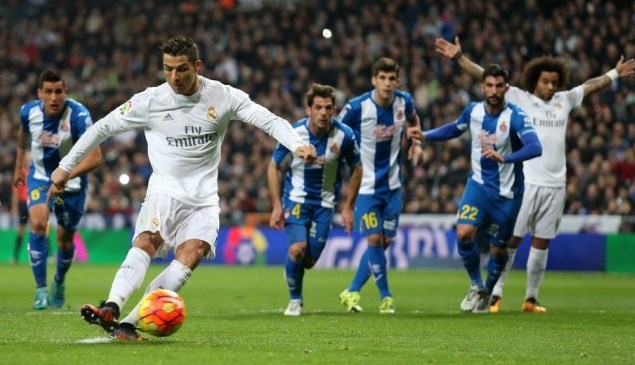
{"x": 622, "y": 69}
{"x": 453, "y": 52}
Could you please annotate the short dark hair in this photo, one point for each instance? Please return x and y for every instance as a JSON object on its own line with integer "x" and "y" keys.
{"x": 181, "y": 45}
{"x": 323, "y": 91}
{"x": 49, "y": 76}
{"x": 495, "y": 70}
{"x": 385, "y": 64}
{"x": 535, "y": 67}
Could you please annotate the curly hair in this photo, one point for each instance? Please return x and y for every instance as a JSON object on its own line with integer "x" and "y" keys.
{"x": 535, "y": 67}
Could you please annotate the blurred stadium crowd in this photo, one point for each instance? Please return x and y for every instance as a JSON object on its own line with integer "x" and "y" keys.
{"x": 274, "y": 50}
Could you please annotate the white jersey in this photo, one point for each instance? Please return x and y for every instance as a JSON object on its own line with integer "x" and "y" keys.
{"x": 549, "y": 118}
{"x": 184, "y": 135}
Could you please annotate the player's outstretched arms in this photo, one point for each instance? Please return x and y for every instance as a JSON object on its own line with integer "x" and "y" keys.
{"x": 622, "y": 69}
{"x": 453, "y": 52}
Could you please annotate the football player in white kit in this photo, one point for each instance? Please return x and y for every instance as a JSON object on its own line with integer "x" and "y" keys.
{"x": 184, "y": 120}
{"x": 547, "y": 105}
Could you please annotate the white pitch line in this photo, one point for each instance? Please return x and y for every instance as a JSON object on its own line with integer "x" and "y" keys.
{"x": 95, "y": 340}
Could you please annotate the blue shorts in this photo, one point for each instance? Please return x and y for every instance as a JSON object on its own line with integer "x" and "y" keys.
{"x": 307, "y": 223}
{"x": 494, "y": 215}
{"x": 378, "y": 213}
{"x": 68, "y": 206}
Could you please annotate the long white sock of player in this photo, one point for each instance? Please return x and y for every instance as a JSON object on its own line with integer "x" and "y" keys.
{"x": 173, "y": 278}
{"x": 536, "y": 265}
{"x": 498, "y": 288}
{"x": 129, "y": 276}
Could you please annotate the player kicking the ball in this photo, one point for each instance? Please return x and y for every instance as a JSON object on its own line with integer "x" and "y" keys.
{"x": 185, "y": 120}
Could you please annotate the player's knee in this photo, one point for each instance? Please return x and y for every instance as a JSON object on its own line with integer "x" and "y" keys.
{"x": 39, "y": 225}
{"x": 515, "y": 242}
{"x": 465, "y": 233}
{"x": 375, "y": 240}
{"x": 498, "y": 251}
{"x": 297, "y": 251}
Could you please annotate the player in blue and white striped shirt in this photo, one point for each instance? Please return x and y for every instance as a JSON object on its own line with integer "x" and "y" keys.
{"x": 311, "y": 190}
{"x": 379, "y": 119}
{"x": 502, "y": 137}
{"x": 50, "y": 126}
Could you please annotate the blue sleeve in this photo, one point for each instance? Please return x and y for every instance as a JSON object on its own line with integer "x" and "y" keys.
{"x": 24, "y": 118}
{"x": 350, "y": 116}
{"x": 443, "y": 133}
{"x": 531, "y": 144}
{"x": 451, "y": 130}
{"x": 350, "y": 151}
{"x": 531, "y": 148}
{"x": 410, "y": 105}
{"x": 80, "y": 121}
{"x": 279, "y": 154}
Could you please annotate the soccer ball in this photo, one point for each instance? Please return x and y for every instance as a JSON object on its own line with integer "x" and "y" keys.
{"x": 162, "y": 312}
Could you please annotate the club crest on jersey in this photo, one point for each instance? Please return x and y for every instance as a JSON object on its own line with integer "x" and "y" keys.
{"x": 125, "y": 108}
{"x": 503, "y": 126}
{"x": 400, "y": 114}
{"x": 65, "y": 126}
{"x": 335, "y": 149}
{"x": 212, "y": 114}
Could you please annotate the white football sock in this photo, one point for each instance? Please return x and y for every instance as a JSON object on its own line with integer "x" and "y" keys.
{"x": 173, "y": 278}
{"x": 498, "y": 288}
{"x": 129, "y": 276}
{"x": 536, "y": 265}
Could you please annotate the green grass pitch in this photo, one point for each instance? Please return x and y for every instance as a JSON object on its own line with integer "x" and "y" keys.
{"x": 235, "y": 317}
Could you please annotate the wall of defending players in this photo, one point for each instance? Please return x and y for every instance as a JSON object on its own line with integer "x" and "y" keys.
{"x": 414, "y": 247}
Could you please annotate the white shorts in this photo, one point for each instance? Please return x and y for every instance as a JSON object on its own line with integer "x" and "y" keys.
{"x": 540, "y": 212}
{"x": 178, "y": 222}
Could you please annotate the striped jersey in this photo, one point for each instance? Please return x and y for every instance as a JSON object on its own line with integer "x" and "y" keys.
{"x": 53, "y": 137}
{"x": 503, "y": 131}
{"x": 379, "y": 131}
{"x": 319, "y": 182}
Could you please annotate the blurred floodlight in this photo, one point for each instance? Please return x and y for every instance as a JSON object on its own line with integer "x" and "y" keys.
{"x": 124, "y": 179}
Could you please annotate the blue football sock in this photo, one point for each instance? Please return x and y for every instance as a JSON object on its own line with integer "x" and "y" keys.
{"x": 38, "y": 253}
{"x": 64, "y": 261}
{"x": 495, "y": 268}
{"x": 294, "y": 272}
{"x": 472, "y": 261}
{"x": 362, "y": 274}
{"x": 377, "y": 261}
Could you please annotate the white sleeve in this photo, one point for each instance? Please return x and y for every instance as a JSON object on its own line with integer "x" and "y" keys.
{"x": 128, "y": 116}
{"x": 575, "y": 96}
{"x": 259, "y": 116}
{"x": 515, "y": 94}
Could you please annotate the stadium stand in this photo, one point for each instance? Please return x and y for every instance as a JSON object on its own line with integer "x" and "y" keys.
{"x": 274, "y": 49}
